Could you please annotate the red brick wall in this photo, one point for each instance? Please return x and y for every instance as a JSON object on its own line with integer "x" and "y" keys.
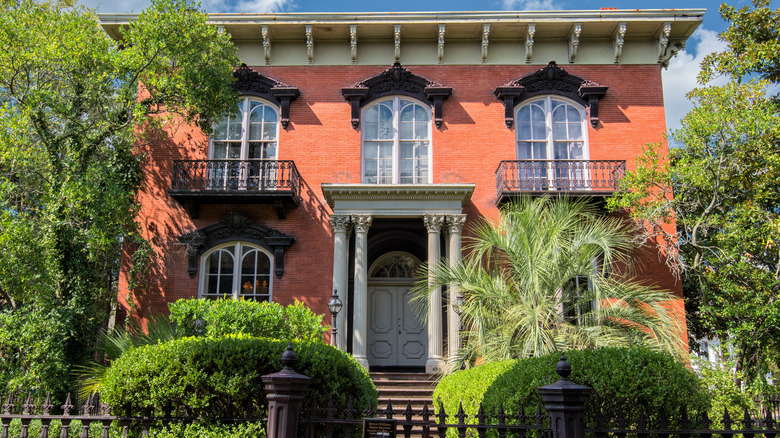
{"x": 326, "y": 149}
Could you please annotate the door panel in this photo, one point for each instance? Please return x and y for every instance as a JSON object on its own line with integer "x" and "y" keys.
{"x": 396, "y": 336}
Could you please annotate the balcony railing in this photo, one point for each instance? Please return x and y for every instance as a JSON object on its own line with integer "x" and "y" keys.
{"x": 582, "y": 177}
{"x": 234, "y": 181}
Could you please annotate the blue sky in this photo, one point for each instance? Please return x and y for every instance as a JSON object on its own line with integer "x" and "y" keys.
{"x": 678, "y": 79}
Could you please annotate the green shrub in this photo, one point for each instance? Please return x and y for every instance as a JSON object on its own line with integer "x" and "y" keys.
{"x": 262, "y": 319}
{"x": 630, "y": 379}
{"x": 210, "y": 430}
{"x": 221, "y": 377}
{"x": 719, "y": 382}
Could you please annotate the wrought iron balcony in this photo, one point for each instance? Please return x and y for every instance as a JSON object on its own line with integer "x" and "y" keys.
{"x": 575, "y": 177}
{"x": 196, "y": 182}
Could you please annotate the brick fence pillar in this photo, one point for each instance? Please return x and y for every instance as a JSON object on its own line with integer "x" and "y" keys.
{"x": 565, "y": 403}
{"x": 284, "y": 392}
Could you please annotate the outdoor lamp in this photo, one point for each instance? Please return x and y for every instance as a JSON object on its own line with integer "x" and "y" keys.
{"x": 458, "y": 302}
{"x": 334, "y": 305}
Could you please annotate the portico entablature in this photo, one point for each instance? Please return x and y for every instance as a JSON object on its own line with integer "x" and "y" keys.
{"x": 395, "y": 200}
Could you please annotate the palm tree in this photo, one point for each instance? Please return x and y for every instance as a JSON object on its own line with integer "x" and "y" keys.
{"x": 553, "y": 274}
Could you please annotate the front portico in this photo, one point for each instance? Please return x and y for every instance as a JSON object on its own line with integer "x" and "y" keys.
{"x": 405, "y": 214}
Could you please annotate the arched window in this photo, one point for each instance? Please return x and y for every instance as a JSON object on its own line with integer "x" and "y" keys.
{"x": 551, "y": 142}
{"x": 240, "y": 142}
{"x": 396, "y": 142}
{"x": 237, "y": 270}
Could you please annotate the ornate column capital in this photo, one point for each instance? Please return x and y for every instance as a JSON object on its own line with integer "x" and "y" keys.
{"x": 433, "y": 222}
{"x": 455, "y": 222}
{"x": 339, "y": 223}
{"x": 362, "y": 222}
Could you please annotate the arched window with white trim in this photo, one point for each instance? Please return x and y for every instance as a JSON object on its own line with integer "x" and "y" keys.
{"x": 239, "y": 144}
{"x": 237, "y": 270}
{"x": 396, "y": 142}
{"x": 552, "y": 143}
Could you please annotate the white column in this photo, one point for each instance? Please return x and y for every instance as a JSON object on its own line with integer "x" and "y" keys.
{"x": 455, "y": 225}
{"x": 360, "y": 305}
{"x": 340, "y": 224}
{"x": 435, "y": 363}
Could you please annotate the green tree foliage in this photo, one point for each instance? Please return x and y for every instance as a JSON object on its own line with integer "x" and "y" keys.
{"x": 70, "y": 99}
{"x": 724, "y": 173}
{"x": 519, "y": 297}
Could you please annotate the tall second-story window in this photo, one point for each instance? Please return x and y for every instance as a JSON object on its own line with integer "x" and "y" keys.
{"x": 240, "y": 141}
{"x": 396, "y": 142}
{"x": 551, "y": 128}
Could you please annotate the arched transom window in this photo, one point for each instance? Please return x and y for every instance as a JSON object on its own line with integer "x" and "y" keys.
{"x": 396, "y": 142}
{"x": 237, "y": 270}
{"x": 238, "y": 143}
{"x": 552, "y": 129}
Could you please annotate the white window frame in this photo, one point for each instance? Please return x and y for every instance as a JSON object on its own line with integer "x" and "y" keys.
{"x": 238, "y": 247}
{"x": 245, "y": 173}
{"x": 550, "y": 141}
{"x": 396, "y": 174}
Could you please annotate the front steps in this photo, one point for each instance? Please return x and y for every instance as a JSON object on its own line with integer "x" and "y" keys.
{"x": 404, "y": 388}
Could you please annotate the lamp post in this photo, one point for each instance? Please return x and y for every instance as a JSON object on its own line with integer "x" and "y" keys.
{"x": 334, "y": 305}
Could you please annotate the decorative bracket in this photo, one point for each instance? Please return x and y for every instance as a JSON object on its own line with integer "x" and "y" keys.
{"x": 663, "y": 42}
{"x": 442, "y": 29}
{"x": 266, "y": 44}
{"x": 309, "y": 43}
{"x": 550, "y": 80}
{"x": 592, "y": 93}
{"x": 235, "y": 227}
{"x": 574, "y": 41}
{"x": 393, "y": 81}
{"x": 397, "y": 42}
{"x": 250, "y": 82}
{"x": 485, "y": 41}
{"x": 510, "y": 94}
{"x": 355, "y": 95}
{"x": 618, "y": 40}
{"x": 353, "y": 42}
{"x": 529, "y": 42}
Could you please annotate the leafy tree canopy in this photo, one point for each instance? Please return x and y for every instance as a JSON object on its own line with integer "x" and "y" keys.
{"x": 724, "y": 176}
{"x": 71, "y": 99}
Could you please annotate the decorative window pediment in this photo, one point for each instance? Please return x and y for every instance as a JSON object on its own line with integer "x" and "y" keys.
{"x": 551, "y": 79}
{"x": 396, "y": 81}
{"x": 251, "y": 83}
{"x": 235, "y": 227}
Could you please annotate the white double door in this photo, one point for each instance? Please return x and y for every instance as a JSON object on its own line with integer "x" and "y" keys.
{"x": 396, "y": 336}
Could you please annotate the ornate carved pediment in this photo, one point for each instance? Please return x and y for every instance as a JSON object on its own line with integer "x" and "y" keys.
{"x": 235, "y": 227}
{"x": 250, "y": 82}
{"x": 393, "y": 81}
{"x": 551, "y": 79}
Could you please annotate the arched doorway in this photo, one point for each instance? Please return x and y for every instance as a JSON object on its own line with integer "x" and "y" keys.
{"x": 397, "y": 337}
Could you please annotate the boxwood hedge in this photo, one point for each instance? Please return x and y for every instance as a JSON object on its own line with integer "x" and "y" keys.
{"x": 627, "y": 379}
{"x": 221, "y": 377}
{"x": 202, "y": 317}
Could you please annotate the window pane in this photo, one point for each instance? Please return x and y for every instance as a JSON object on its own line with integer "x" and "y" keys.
{"x": 225, "y": 285}
{"x": 385, "y": 123}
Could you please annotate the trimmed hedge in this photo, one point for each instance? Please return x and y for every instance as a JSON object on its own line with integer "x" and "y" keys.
{"x": 215, "y": 318}
{"x": 622, "y": 378}
{"x": 221, "y": 377}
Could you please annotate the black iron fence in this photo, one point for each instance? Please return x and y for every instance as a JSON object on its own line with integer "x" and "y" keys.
{"x": 234, "y": 175}
{"x": 563, "y": 416}
{"x": 547, "y": 175}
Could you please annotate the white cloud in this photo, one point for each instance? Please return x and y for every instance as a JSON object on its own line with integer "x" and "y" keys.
{"x": 529, "y": 5}
{"x": 248, "y": 6}
{"x": 112, "y": 6}
{"x": 680, "y": 77}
